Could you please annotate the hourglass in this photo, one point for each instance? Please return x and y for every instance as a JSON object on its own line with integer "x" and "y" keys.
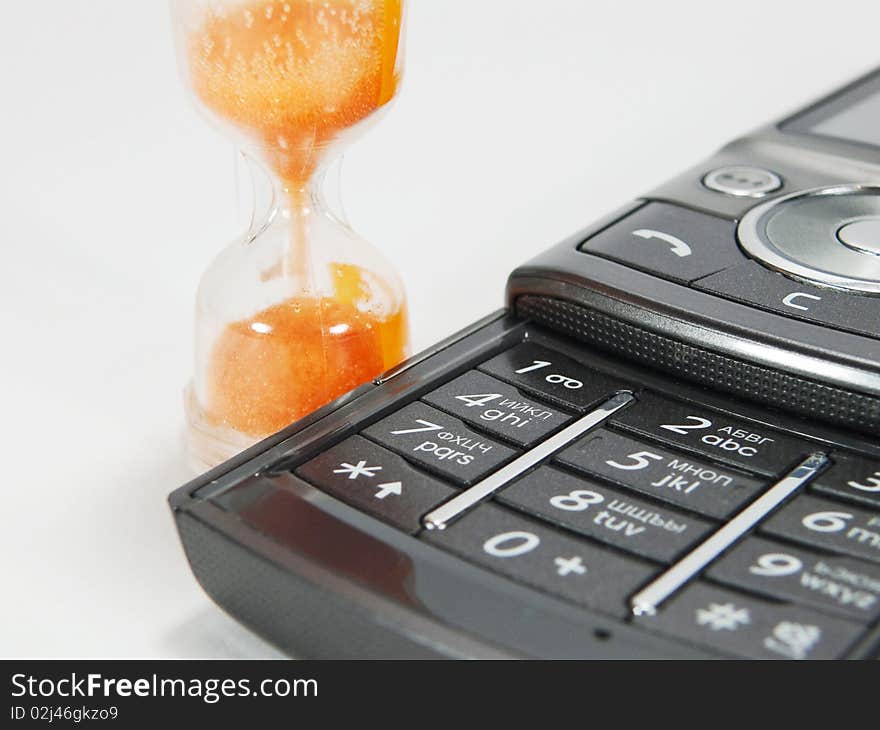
{"x": 300, "y": 309}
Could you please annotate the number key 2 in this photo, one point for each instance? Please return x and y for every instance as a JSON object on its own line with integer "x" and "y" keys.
{"x": 750, "y": 446}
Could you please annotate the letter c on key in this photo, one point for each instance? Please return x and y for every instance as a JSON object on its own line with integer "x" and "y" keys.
{"x": 790, "y": 300}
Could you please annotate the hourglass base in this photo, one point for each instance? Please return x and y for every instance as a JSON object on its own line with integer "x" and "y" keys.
{"x": 208, "y": 444}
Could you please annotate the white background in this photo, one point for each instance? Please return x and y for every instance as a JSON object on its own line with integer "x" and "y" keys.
{"x": 519, "y": 122}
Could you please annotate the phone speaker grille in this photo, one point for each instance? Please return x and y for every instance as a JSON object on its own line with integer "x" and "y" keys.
{"x": 755, "y": 382}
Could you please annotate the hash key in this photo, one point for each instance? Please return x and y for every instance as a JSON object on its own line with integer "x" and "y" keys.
{"x": 746, "y": 626}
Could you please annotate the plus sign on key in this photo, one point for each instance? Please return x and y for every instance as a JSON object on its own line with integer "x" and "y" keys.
{"x": 564, "y": 566}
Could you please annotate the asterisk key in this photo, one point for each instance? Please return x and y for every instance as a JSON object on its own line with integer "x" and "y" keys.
{"x": 356, "y": 470}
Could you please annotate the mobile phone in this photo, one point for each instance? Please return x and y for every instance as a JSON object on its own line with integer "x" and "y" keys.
{"x": 665, "y": 446}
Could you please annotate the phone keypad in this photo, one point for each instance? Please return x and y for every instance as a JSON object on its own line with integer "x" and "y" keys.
{"x": 599, "y": 517}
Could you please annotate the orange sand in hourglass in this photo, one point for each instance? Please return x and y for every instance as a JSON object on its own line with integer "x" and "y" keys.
{"x": 294, "y": 74}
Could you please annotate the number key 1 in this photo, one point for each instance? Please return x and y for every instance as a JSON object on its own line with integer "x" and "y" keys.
{"x": 552, "y": 375}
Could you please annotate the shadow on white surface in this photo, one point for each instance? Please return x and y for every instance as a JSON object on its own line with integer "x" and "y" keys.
{"x": 211, "y": 634}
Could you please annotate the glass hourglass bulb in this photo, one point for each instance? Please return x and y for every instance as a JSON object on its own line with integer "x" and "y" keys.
{"x": 301, "y": 309}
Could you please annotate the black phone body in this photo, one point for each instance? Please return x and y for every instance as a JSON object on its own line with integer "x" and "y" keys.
{"x": 665, "y": 446}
